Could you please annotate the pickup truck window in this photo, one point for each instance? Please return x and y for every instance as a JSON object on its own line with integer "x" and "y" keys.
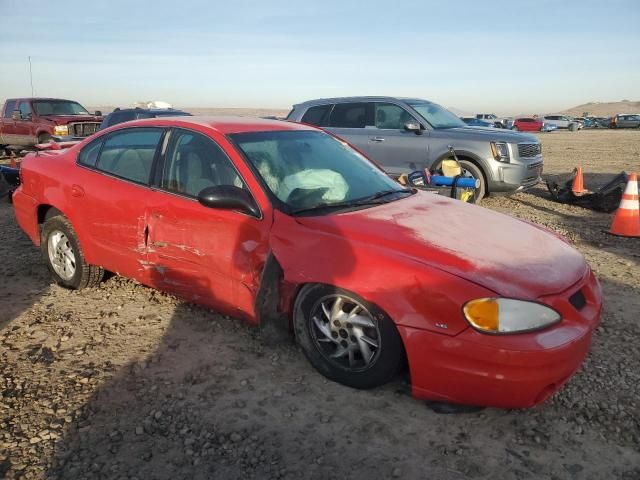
{"x": 129, "y": 153}
{"x": 58, "y": 107}
{"x": 9, "y": 107}
{"x": 25, "y": 109}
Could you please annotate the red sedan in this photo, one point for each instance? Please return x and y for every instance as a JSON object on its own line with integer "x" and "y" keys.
{"x": 528, "y": 125}
{"x": 287, "y": 226}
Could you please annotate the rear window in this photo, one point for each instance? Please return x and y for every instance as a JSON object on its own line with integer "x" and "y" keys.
{"x": 317, "y": 115}
{"x": 351, "y": 115}
{"x": 89, "y": 154}
{"x": 129, "y": 153}
{"x": 9, "y": 107}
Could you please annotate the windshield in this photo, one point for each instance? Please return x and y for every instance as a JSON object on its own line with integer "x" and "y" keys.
{"x": 58, "y": 107}
{"x": 437, "y": 116}
{"x": 308, "y": 170}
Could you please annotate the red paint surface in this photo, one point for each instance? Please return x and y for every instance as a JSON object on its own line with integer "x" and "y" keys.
{"x": 419, "y": 259}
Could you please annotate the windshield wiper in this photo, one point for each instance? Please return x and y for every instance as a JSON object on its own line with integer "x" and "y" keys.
{"x": 371, "y": 200}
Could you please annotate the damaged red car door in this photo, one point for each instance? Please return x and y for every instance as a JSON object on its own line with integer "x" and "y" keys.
{"x": 207, "y": 255}
{"x": 113, "y": 228}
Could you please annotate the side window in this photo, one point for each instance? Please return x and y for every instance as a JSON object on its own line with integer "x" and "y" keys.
{"x": 351, "y": 115}
{"x": 25, "y": 109}
{"x": 317, "y": 115}
{"x": 194, "y": 162}
{"x": 129, "y": 153}
{"x": 391, "y": 117}
{"x": 89, "y": 154}
{"x": 9, "y": 107}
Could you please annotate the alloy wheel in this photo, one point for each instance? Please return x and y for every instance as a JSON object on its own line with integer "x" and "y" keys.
{"x": 345, "y": 333}
{"x": 61, "y": 255}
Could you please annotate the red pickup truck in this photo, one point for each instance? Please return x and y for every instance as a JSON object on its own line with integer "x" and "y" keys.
{"x": 28, "y": 121}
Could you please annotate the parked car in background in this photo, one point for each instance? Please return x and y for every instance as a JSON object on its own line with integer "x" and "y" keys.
{"x": 127, "y": 114}
{"x": 528, "y": 124}
{"x": 474, "y": 122}
{"x": 484, "y": 309}
{"x": 404, "y": 135}
{"x": 493, "y": 118}
{"x": 26, "y": 122}
{"x": 625, "y": 121}
{"x": 561, "y": 121}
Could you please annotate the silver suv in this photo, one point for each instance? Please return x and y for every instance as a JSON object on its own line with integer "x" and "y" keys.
{"x": 406, "y": 134}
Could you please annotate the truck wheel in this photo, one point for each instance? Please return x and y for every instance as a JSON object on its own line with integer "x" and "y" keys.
{"x": 62, "y": 253}
{"x": 44, "y": 138}
{"x": 471, "y": 169}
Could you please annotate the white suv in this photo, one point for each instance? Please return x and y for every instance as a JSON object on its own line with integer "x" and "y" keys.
{"x": 561, "y": 121}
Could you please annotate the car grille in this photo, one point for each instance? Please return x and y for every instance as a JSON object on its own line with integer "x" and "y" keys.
{"x": 526, "y": 150}
{"x": 83, "y": 129}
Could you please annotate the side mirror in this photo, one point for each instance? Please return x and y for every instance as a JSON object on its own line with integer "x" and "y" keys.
{"x": 228, "y": 197}
{"x": 98, "y": 113}
{"x": 15, "y": 115}
{"x": 413, "y": 127}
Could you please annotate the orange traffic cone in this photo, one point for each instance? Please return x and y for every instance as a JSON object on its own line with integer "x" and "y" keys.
{"x": 578, "y": 182}
{"x": 626, "y": 222}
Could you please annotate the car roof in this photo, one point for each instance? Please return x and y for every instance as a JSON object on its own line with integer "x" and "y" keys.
{"x": 149, "y": 110}
{"x": 222, "y": 124}
{"x": 323, "y": 101}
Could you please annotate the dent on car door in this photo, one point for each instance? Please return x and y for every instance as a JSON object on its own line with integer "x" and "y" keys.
{"x": 111, "y": 198}
{"x": 210, "y": 256}
{"x": 397, "y": 149}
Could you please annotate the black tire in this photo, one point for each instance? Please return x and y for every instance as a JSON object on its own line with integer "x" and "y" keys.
{"x": 44, "y": 138}
{"x": 476, "y": 172}
{"x": 384, "y": 363}
{"x": 84, "y": 275}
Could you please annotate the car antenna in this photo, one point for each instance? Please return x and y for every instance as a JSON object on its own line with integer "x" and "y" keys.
{"x": 30, "y": 76}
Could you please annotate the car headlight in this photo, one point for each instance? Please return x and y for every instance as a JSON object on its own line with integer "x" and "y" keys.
{"x": 500, "y": 151}
{"x": 61, "y": 130}
{"x": 507, "y": 315}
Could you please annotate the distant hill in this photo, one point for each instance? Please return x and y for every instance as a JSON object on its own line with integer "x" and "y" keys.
{"x": 604, "y": 109}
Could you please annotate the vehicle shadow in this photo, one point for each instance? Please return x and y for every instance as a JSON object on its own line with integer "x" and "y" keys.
{"x": 23, "y": 277}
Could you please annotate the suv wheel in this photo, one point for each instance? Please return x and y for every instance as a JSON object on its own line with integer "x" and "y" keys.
{"x": 471, "y": 169}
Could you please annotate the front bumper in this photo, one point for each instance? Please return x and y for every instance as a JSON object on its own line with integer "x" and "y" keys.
{"x": 517, "y": 176}
{"x": 505, "y": 371}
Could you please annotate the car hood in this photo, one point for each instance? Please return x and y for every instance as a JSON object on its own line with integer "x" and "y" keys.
{"x": 64, "y": 119}
{"x": 491, "y": 134}
{"x": 511, "y": 257}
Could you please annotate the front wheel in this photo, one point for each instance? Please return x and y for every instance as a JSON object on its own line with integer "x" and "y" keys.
{"x": 62, "y": 253}
{"x": 471, "y": 169}
{"x": 346, "y": 338}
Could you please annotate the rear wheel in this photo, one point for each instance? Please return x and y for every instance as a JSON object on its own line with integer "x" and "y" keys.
{"x": 470, "y": 169}
{"x": 62, "y": 253}
{"x": 346, "y": 338}
{"x": 44, "y": 138}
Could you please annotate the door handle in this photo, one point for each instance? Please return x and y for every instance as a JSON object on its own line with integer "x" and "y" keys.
{"x": 77, "y": 191}
{"x": 377, "y": 139}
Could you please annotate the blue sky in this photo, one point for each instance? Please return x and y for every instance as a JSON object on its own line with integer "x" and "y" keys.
{"x": 498, "y": 56}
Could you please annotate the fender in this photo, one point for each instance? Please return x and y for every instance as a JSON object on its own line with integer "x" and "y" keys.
{"x": 413, "y": 294}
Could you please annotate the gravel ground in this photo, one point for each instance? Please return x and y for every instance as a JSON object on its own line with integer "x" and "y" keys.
{"x": 124, "y": 382}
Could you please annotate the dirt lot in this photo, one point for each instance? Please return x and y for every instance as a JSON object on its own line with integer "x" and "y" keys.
{"x": 124, "y": 382}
